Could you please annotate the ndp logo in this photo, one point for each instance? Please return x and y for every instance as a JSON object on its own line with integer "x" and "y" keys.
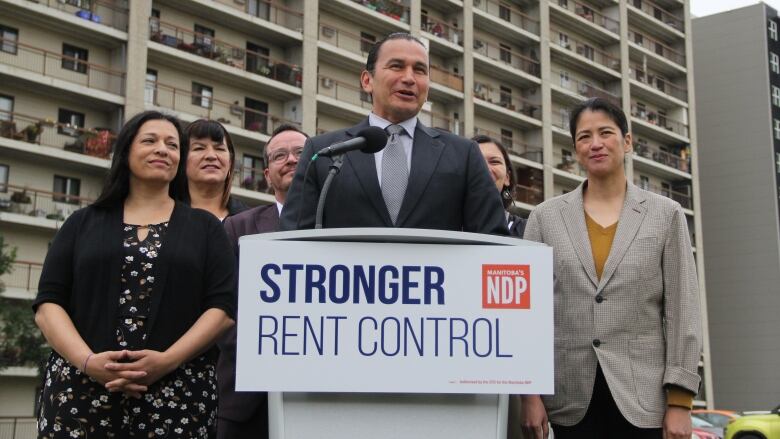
{"x": 506, "y": 286}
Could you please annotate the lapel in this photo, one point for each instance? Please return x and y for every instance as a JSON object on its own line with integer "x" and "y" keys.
{"x": 268, "y": 220}
{"x": 364, "y": 166}
{"x": 573, "y": 214}
{"x": 425, "y": 156}
{"x": 631, "y": 217}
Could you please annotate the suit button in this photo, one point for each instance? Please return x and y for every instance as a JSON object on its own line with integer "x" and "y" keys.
{"x": 599, "y": 298}
{"x": 596, "y": 343}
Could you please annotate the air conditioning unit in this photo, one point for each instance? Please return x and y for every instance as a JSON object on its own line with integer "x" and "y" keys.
{"x": 327, "y": 82}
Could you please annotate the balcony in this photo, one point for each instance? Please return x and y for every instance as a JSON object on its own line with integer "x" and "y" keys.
{"x": 507, "y": 13}
{"x": 251, "y": 179}
{"x": 443, "y": 30}
{"x": 583, "y": 89}
{"x": 395, "y": 10}
{"x": 443, "y": 77}
{"x": 23, "y": 277}
{"x": 589, "y": 13}
{"x": 200, "y": 106}
{"x": 442, "y": 122}
{"x": 18, "y": 428}
{"x": 507, "y": 57}
{"x": 683, "y": 198}
{"x": 659, "y": 14}
{"x": 660, "y": 120}
{"x": 567, "y": 163}
{"x": 346, "y": 40}
{"x": 560, "y": 118}
{"x": 529, "y": 194}
{"x": 55, "y": 65}
{"x": 92, "y": 142}
{"x": 656, "y": 47}
{"x": 211, "y": 48}
{"x": 108, "y": 12}
{"x": 269, "y": 11}
{"x": 657, "y": 155}
{"x": 40, "y": 204}
{"x": 507, "y": 100}
{"x": 648, "y": 78}
{"x": 584, "y": 49}
{"x": 524, "y": 150}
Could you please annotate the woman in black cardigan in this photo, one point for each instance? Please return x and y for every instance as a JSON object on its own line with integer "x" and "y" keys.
{"x": 134, "y": 291}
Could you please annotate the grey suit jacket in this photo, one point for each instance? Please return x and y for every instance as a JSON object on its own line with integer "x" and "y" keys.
{"x": 644, "y": 311}
{"x": 449, "y": 187}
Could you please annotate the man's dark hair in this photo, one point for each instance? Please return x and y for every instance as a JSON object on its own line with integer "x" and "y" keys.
{"x": 280, "y": 129}
{"x": 598, "y": 104}
{"x": 508, "y": 193}
{"x": 373, "y": 54}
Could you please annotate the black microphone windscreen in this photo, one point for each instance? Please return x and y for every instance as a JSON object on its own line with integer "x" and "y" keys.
{"x": 376, "y": 139}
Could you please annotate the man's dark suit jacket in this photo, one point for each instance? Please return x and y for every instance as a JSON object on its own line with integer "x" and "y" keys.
{"x": 449, "y": 187}
{"x": 241, "y": 406}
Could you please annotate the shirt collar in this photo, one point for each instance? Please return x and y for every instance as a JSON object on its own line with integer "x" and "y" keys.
{"x": 409, "y": 125}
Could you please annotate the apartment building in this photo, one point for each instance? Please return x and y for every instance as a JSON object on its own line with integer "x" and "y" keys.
{"x": 72, "y": 70}
{"x": 740, "y": 176}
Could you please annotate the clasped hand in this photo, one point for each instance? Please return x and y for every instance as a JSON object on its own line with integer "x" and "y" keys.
{"x": 130, "y": 372}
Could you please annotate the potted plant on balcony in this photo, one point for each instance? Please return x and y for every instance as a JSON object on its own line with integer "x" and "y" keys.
{"x": 19, "y": 199}
{"x": 32, "y": 132}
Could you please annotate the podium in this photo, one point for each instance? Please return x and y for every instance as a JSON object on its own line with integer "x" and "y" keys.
{"x": 458, "y": 411}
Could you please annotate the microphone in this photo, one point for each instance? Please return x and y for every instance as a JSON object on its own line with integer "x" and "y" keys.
{"x": 369, "y": 140}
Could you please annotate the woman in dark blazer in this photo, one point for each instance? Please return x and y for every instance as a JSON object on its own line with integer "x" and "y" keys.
{"x": 503, "y": 174}
{"x": 134, "y": 291}
{"x": 210, "y": 164}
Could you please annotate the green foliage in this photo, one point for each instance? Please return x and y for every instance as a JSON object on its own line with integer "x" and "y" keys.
{"x": 21, "y": 343}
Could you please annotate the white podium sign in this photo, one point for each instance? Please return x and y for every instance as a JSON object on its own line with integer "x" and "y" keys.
{"x": 394, "y": 317}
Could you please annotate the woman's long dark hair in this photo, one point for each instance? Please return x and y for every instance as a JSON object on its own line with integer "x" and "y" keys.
{"x": 508, "y": 192}
{"x": 117, "y": 184}
{"x": 216, "y": 132}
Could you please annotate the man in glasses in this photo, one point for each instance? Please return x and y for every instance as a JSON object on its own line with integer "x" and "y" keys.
{"x": 245, "y": 414}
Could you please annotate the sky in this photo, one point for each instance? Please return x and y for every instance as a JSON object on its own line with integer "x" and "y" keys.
{"x": 700, "y": 8}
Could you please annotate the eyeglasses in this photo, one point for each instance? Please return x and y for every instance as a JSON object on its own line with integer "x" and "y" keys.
{"x": 281, "y": 154}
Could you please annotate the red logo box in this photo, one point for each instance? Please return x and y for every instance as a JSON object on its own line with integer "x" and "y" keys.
{"x": 506, "y": 286}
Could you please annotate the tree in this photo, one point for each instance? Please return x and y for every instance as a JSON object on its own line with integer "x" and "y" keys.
{"x": 21, "y": 343}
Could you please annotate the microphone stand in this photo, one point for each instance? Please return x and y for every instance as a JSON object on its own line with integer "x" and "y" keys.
{"x": 335, "y": 167}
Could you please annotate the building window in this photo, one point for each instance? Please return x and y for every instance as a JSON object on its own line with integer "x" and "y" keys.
{"x": 504, "y": 12}
{"x": 202, "y": 95}
{"x": 259, "y": 8}
{"x": 4, "y": 170}
{"x": 9, "y": 37}
{"x": 154, "y": 23}
{"x": 506, "y": 137}
{"x": 505, "y": 97}
{"x": 774, "y": 61}
{"x": 258, "y": 59}
{"x": 773, "y": 30}
{"x": 564, "y": 79}
{"x": 366, "y": 41}
{"x": 204, "y": 37}
{"x": 256, "y": 115}
{"x": 563, "y": 3}
{"x": 776, "y": 96}
{"x": 563, "y": 40}
{"x": 74, "y": 58}
{"x": 6, "y": 110}
{"x": 644, "y": 182}
{"x": 252, "y": 173}
{"x": 66, "y": 189}
{"x": 586, "y": 51}
{"x": 150, "y": 89}
{"x": 777, "y": 129}
{"x": 69, "y": 122}
{"x": 505, "y": 53}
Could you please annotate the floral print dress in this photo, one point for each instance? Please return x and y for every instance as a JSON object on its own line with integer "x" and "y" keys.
{"x": 181, "y": 404}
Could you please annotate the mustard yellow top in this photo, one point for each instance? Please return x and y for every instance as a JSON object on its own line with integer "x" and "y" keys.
{"x": 601, "y": 243}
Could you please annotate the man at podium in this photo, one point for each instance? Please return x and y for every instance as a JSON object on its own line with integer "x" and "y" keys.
{"x": 423, "y": 178}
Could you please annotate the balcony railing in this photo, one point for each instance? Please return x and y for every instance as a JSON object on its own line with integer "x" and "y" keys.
{"x": 583, "y": 88}
{"x": 443, "y": 122}
{"x": 344, "y": 39}
{"x": 509, "y": 14}
{"x": 208, "y": 107}
{"x": 93, "y": 141}
{"x": 657, "y": 155}
{"x": 18, "y": 428}
{"x": 251, "y": 179}
{"x": 55, "y": 65}
{"x": 658, "y": 83}
{"x": 683, "y": 198}
{"x": 395, "y": 10}
{"x": 530, "y": 152}
{"x": 39, "y": 203}
{"x": 443, "y": 30}
{"x": 507, "y": 56}
{"x": 270, "y": 11}
{"x": 108, "y": 12}
{"x": 654, "y": 118}
{"x": 591, "y": 14}
{"x": 445, "y": 78}
{"x": 342, "y": 91}
{"x": 659, "y": 14}
{"x": 568, "y": 164}
{"x": 24, "y": 275}
{"x": 656, "y": 47}
{"x": 507, "y": 100}
{"x": 560, "y": 117}
{"x": 209, "y": 47}
{"x": 587, "y": 50}
{"x": 529, "y": 194}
